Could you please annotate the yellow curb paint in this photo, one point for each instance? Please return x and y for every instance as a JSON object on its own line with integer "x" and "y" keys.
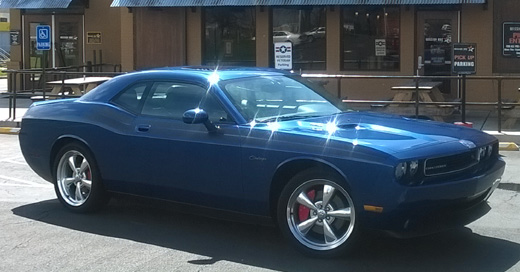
{"x": 508, "y": 146}
{"x": 8, "y": 130}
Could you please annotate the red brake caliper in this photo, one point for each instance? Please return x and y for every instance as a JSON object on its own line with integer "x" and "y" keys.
{"x": 304, "y": 212}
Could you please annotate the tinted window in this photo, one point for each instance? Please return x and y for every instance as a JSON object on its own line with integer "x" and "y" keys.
{"x": 371, "y": 38}
{"x": 130, "y": 98}
{"x": 171, "y": 100}
{"x": 229, "y": 36}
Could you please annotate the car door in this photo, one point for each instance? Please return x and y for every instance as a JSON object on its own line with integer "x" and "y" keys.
{"x": 170, "y": 159}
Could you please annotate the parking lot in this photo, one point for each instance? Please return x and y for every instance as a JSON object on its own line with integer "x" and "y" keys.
{"x": 38, "y": 234}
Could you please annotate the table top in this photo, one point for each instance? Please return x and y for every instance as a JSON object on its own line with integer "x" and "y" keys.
{"x": 426, "y": 85}
{"x": 79, "y": 81}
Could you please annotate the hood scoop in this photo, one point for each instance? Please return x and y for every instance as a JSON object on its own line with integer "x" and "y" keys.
{"x": 349, "y": 126}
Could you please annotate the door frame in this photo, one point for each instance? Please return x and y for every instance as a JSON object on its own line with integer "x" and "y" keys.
{"x": 52, "y": 20}
{"x": 421, "y": 17}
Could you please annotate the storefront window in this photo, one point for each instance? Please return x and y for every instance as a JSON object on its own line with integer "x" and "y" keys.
{"x": 370, "y": 38}
{"x": 305, "y": 29}
{"x": 230, "y": 36}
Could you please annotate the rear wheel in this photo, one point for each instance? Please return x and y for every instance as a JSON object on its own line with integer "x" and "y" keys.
{"x": 77, "y": 180}
{"x": 316, "y": 213}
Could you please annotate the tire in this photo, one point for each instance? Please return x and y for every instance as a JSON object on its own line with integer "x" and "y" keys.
{"x": 316, "y": 228}
{"x": 78, "y": 183}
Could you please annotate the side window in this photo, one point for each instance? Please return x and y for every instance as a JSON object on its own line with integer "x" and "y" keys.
{"x": 171, "y": 100}
{"x": 130, "y": 98}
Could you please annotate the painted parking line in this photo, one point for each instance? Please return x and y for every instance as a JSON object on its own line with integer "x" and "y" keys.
{"x": 25, "y": 185}
{"x": 14, "y": 162}
{"x": 24, "y": 182}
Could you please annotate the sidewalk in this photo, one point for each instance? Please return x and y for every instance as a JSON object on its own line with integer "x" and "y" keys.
{"x": 485, "y": 120}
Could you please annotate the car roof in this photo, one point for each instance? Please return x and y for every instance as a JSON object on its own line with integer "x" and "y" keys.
{"x": 226, "y": 72}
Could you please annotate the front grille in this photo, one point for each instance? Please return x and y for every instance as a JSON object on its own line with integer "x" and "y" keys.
{"x": 450, "y": 164}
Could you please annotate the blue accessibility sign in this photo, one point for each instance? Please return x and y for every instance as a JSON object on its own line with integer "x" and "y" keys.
{"x": 43, "y": 37}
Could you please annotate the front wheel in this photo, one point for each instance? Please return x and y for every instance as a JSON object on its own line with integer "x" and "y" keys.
{"x": 77, "y": 179}
{"x": 316, "y": 213}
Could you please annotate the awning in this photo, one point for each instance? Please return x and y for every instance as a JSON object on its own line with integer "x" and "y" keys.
{"x": 34, "y": 4}
{"x": 213, "y": 3}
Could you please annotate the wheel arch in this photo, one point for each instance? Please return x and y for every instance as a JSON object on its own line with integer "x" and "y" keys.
{"x": 60, "y": 143}
{"x": 288, "y": 169}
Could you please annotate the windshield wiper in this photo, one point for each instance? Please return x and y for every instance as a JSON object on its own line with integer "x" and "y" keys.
{"x": 287, "y": 117}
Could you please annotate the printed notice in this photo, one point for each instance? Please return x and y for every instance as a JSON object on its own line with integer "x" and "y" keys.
{"x": 283, "y": 55}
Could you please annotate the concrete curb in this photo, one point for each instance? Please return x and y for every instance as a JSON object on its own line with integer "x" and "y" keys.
{"x": 508, "y": 146}
{"x": 9, "y": 130}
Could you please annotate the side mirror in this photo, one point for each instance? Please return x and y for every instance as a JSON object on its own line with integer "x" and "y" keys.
{"x": 195, "y": 116}
{"x": 198, "y": 116}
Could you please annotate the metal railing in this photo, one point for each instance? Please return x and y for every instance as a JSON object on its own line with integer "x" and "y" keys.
{"x": 499, "y": 103}
{"x": 40, "y": 76}
{"x": 37, "y": 80}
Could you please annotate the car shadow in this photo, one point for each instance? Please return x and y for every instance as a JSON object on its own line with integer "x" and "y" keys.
{"x": 263, "y": 246}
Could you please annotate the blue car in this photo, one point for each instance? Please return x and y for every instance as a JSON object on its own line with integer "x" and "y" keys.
{"x": 266, "y": 143}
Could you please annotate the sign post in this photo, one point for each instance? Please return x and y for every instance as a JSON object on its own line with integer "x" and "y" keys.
{"x": 464, "y": 62}
{"x": 283, "y": 55}
{"x": 43, "y": 42}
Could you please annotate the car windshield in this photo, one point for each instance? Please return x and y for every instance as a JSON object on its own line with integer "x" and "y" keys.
{"x": 279, "y": 98}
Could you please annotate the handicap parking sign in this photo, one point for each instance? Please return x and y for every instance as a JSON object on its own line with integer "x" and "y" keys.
{"x": 43, "y": 37}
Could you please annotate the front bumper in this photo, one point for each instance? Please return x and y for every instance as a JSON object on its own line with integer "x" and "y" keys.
{"x": 423, "y": 210}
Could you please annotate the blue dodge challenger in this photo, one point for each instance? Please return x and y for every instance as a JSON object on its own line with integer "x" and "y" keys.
{"x": 265, "y": 143}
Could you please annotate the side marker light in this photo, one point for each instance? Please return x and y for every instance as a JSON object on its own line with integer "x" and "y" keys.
{"x": 370, "y": 208}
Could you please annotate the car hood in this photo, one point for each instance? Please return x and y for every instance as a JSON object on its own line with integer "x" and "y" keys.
{"x": 388, "y": 133}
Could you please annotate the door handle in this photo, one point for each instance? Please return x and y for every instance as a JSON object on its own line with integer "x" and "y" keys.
{"x": 143, "y": 128}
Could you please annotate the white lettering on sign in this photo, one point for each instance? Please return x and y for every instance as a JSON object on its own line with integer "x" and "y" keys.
{"x": 464, "y": 64}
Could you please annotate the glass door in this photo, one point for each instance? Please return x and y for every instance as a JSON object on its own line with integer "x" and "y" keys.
{"x": 33, "y": 57}
{"x": 436, "y": 32}
{"x": 68, "y": 40}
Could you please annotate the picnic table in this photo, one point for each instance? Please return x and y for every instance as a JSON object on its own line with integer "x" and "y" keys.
{"x": 71, "y": 87}
{"x": 78, "y": 86}
{"x": 428, "y": 91}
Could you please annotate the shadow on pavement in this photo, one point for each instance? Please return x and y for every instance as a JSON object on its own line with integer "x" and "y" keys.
{"x": 263, "y": 246}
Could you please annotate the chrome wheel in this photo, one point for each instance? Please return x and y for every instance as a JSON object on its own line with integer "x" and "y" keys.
{"x": 320, "y": 214}
{"x": 74, "y": 178}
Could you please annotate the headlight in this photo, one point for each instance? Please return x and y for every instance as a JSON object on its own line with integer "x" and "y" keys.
{"x": 489, "y": 150}
{"x": 414, "y": 166}
{"x": 481, "y": 153}
{"x": 484, "y": 152}
{"x": 407, "y": 172}
{"x": 400, "y": 170}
